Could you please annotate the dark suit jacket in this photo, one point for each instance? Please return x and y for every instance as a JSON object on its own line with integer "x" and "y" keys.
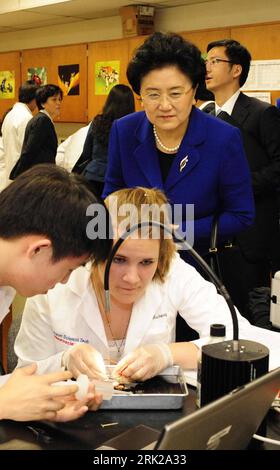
{"x": 215, "y": 177}
{"x": 259, "y": 123}
{"x": 94, "y": 156}
{"x": 39, "y": 145}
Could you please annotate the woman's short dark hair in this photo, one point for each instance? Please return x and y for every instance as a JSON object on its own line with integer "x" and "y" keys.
{"x": 46, "y": 91}
{"x": 161, "y": 50}
{"x": 47, "y": 200}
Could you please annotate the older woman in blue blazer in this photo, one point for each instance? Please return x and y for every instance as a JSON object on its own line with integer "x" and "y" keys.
{"x": 193, "y": 157}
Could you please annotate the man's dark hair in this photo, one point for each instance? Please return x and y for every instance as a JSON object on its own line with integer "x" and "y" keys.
{"x": 46, "y": 91}
{"x": 161, "y": 50}
{"x": 47, "y": 200}
{"x": 27, "y": 91}
{"x": 236, "y": 53}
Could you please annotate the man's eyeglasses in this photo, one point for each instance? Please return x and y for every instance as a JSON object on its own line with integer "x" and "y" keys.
{"x": 154, "y": 97}
{"x": 216, "y": 61}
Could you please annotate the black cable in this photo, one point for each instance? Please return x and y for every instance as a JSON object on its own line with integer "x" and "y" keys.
{"x": 217, "y": 282}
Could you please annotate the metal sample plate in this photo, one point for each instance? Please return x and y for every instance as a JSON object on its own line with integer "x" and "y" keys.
{"x": 165, "y": 391}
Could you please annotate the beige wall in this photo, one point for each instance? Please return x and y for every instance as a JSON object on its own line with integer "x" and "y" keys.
{"x": 58, "y": 35}
{"x": 64, "y": 129}
{"x": 218, "y": 13}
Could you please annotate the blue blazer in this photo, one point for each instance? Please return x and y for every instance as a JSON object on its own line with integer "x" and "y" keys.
{"x": 215, "y": 178}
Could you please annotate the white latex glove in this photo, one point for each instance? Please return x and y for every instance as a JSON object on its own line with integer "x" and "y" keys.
{"x": 144, "y": 363}
{"x": 84, "y": 359}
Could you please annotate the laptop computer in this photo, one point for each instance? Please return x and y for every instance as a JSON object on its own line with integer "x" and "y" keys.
{"x": 224, "y": 424}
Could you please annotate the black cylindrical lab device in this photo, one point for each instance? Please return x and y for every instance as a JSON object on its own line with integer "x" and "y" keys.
{"x": 223, "y": 369}
{"x": 225, "y": 365}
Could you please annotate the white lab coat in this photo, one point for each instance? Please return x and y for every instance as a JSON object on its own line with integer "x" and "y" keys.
{"x": 70, "y": 149}
{"x": 69, "y": 314}
{"x": 13, "y": 131}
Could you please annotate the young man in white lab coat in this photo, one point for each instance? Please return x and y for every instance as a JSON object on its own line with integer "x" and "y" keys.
{"x": 43, "y": 239}
{"x": 149, "y": 284}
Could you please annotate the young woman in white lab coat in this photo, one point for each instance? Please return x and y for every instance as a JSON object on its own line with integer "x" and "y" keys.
{"x": 149, "y": 284}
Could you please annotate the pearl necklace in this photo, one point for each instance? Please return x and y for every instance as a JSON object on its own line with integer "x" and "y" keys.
{"x": 168, "y": 149}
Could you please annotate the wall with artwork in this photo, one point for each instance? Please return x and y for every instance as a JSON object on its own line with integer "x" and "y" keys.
{"x": 86, "y": 72}
{"x": 107, "y": 62}
{"x": 193, "y": 16}
{"x": 65, "y": 66}
{"x": 263, "y": 42}
{"x": 9, "y": 80}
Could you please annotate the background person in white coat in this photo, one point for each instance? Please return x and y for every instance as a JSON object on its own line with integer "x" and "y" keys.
{"x": 2, "y": 155}
{"x": 149, "y": 284}
{"x": 70, "y": 149}
{"x": 14, "y": 125}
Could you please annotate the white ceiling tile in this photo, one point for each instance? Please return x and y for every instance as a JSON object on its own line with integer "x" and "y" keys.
{"x": 68, "y": 11}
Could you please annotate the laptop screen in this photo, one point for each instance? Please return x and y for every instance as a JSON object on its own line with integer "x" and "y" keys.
{"x": 227, "y": 423}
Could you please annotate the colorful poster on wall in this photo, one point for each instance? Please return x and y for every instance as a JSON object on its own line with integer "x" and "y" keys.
{"x": 106, "y": 76}
{"x": 7, "y": 84}
{"x": 38, "y": 74}
{"x": 69, "y": 79}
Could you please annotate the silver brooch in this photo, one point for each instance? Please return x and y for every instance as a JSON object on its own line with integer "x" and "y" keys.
{"x": 183, "y": 163}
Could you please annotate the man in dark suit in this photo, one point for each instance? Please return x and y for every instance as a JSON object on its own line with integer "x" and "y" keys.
{"x": 258, "y": 255}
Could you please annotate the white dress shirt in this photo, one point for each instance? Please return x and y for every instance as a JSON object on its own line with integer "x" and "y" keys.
{"x": 228, "y": 105}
